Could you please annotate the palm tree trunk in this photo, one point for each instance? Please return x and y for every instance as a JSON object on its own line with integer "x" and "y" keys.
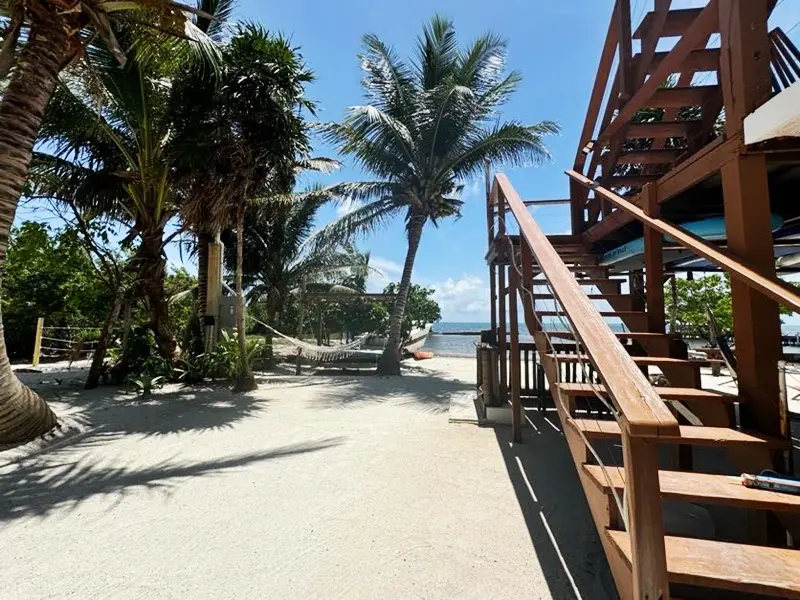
{"x": 389, "y": 363}
{"x": 204, "y": 238}
{"x": 246, "y": 382}
{"x": 93, "y": 378}
{"x": 23, "y": 414}
{"x": 152, "y": 269}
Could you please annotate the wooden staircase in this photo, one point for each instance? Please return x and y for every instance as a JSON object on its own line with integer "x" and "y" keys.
{"x": 746, "y": 567}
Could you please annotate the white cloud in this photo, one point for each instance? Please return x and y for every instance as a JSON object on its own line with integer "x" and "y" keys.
{"x": 348, "y": 206}
{"x": 385, "y": 272}
{"x": 463, "y": 299}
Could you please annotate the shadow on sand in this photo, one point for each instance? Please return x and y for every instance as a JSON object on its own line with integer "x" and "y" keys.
{"x": 555, "y": 510}
{"x": 35, "y": 487}
{"x": 425, "y": 390}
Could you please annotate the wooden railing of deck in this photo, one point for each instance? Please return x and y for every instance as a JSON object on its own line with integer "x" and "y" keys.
{"x": 643, "y": 416}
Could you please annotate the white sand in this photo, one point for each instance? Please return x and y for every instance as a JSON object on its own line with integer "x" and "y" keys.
{"x": 313, "y": 487}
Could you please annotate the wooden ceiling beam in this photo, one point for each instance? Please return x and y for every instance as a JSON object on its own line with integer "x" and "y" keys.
{"x": 705, "y": 23}
{"x": 706, "y": 59}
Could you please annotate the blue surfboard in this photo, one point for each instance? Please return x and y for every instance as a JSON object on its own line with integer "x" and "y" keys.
{"x": 711, "y": 229}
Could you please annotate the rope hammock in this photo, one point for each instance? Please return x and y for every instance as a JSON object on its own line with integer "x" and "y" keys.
{"x": 320, "y": 353}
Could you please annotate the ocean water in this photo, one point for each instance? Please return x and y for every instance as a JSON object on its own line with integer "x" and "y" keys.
{"x": 464, "y": 345}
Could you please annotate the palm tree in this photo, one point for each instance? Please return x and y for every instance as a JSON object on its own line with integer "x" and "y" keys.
{"x": 57, "y": 34}
{"x": 427, "y": 126}
{"x": 250, "y": 134}
{"x": 280, "y": 258}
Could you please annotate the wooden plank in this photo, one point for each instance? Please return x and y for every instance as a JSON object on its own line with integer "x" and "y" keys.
{"x": 642, "y": 411}
{"x": 648, "y": 157}
{"x": 501, "y": 306}
{"x": 724, "y": 565}
{"x": 678, "y": 97}
{"x": 632, "y": 335}
{"x": 740, "y": 270}
{"x": 700, "y": 29}
{"x": 657, "y": 361}
{"x": 705, "y": 59}
{"x": 687, "y": 434}
{"x": 631, "y": 181}
{"x": 654, "y": 264}
{"x": 703, "y": 488}
{"x": 599, "y": 88}
{"x": 645, "y": 521}
{"x": 516, "y": 402}
{"x": 583, "y": 390}
{"x": 675, "y": 25}
{"x": 490, "y": 217}
{"x": 657, "y": 129}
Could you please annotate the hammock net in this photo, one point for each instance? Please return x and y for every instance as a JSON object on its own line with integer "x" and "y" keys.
{"x": 320, "y": 353}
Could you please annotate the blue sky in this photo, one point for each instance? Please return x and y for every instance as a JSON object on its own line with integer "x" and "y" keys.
{"x": 556, "y": 46}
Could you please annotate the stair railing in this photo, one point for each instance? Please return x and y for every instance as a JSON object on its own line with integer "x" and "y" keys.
{"x": 643, "y": 417}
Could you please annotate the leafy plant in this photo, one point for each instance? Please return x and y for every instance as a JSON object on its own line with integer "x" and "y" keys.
{"x": 145, "y": 385}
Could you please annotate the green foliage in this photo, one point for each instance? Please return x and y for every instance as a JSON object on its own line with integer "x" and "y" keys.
{"x": 48, "y": 274}
{"x": 421, "y": 308}
{"x": 181, "y": 289}
{"x": 690, "y": 316}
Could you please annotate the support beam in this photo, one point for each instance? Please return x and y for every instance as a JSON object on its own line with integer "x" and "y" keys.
{"x": 654, "y": 263}
{"x": 516, "y": 401}
{"x": 746, "y": 83}
{"x": 490, "y": 235}
{"x": 626, "y": 75}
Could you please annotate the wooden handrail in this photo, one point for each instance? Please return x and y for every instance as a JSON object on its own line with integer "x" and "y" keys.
{"x": 770, "y": 286}
{"x": 642, "y": 412}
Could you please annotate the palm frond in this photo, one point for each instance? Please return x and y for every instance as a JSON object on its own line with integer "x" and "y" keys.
{"x": 364, "y": 220}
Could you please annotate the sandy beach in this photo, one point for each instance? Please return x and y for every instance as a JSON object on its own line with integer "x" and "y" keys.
{"x": 310, "y": 487}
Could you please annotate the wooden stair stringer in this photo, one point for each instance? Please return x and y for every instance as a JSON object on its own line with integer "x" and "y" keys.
{"x": 603, "y": 512}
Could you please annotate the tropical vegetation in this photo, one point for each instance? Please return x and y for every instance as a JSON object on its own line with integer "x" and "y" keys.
{"x": 427, "y": 125}
{"x": 153, "y": 127}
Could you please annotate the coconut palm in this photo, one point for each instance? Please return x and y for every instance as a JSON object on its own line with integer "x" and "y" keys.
{"x": 39, "y": 40}
{"x": 250, "y": 134}
{"x": 427, "y": 126}
{"x": 280, "y": 258}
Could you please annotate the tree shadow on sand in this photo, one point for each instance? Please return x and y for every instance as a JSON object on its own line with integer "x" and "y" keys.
{"x": 420, "y": 389}
{"x": 38, "y": 486}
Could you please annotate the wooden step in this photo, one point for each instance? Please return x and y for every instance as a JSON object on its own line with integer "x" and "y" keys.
{"x": 587, "y": 281}
{"x": 703, "y": 488}
{"x": 689, "y": 434}
{"x": 612, "y": 298}
{"x": 632, "y": 335}
{"x": 724, "y": 565}
{"x": 631, "y": 181}
{"x": 676, "y": 23}
{"x": 579, "y": 269}
{"x": 678, "y": 97}
{"x": 605, "y": 313}
{"x": 706, "y": 59}
{"x": 653, "y": 361}
{"x": 649, "y": 157}
{"x": 663, "y": 129}
{"x": 667, "y": 393}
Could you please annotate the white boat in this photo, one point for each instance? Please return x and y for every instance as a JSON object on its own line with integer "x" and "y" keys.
{"x": 417, "y": 337}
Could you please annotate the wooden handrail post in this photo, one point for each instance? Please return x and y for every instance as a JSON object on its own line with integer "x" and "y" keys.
{"x": 491, "y": 200}
{"x": 516, "y": 401}
{"x": 654, "y": 263}
{"x": 501, "y": 298}
{"x": 37, "y": 341}
{"x": 645, "y": 521}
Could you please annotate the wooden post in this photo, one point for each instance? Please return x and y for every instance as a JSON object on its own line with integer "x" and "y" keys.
{"x": 502, "y": 335}
{"x": 516, "y": 401}
{"x": 577, "y": 196}
{"x": 746, "y": 84}
{"x": 301, "y": 317}
{"x": 673, "y": 317}
{"x": 37, "y": 341}
{"x": 625, "y": 51}
{"x": 654, "y": 263}
{"x": 490, "y": 235}
{"x": 213, "y": 293}
{"x": 645, "y": 524}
